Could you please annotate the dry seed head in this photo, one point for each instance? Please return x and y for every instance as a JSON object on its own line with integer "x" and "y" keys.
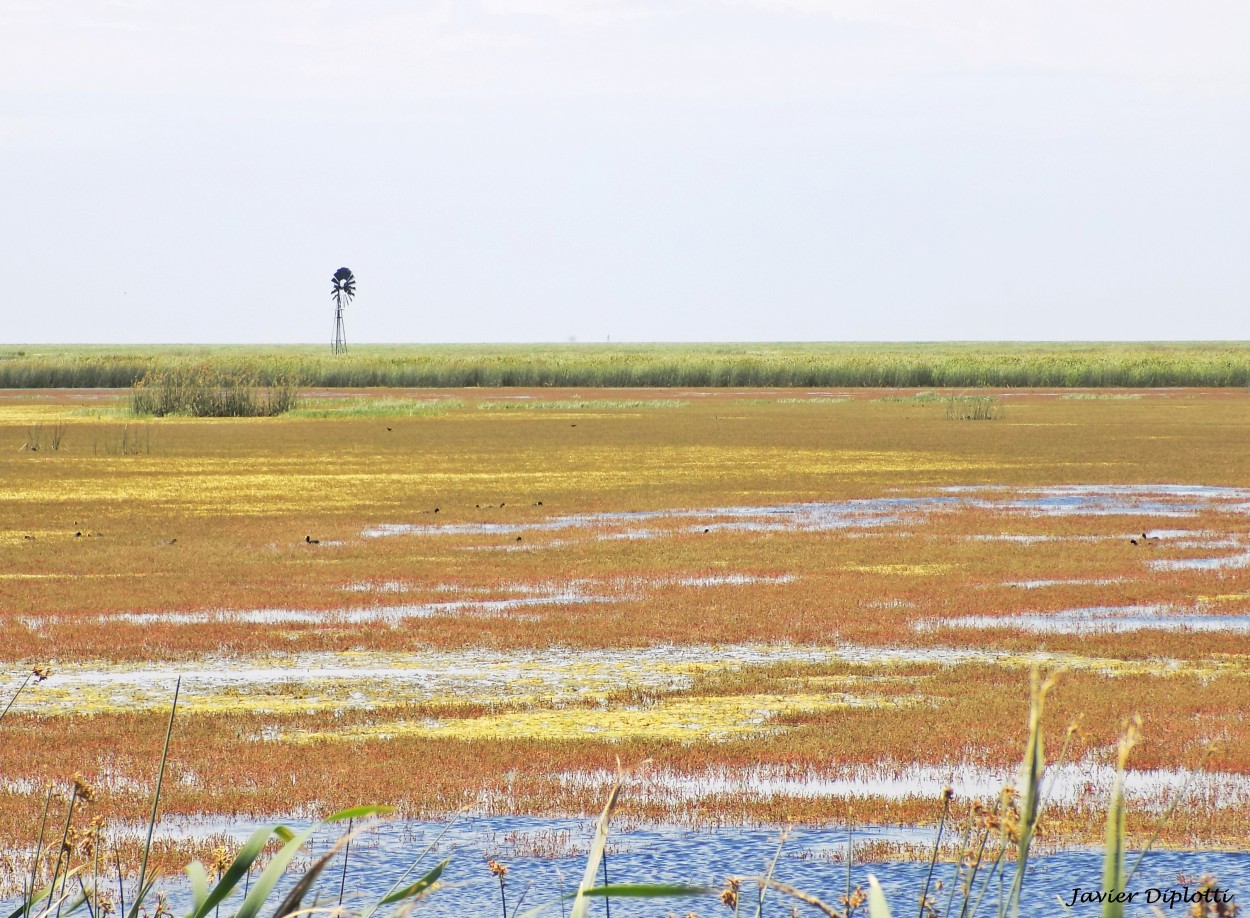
{"x": 1132, "y": 734}
{"x": 854, "y": 900}
{"x": 497, "y": 869}
{"x": 729, "y": 895}
{"x": 82, "y": 790}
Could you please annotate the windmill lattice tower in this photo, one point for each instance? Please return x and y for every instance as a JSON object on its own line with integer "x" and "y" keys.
{"x": 343, "y": 288}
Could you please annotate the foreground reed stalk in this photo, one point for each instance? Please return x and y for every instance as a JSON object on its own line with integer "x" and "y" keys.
{"x": 156, "y": 800}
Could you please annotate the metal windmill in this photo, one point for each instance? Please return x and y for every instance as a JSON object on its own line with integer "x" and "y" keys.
{"x": 342, "y": 290}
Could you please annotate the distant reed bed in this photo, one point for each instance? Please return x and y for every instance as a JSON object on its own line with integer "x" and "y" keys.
{"x": 207, "y": 390}
{"x": 947, "y": 365}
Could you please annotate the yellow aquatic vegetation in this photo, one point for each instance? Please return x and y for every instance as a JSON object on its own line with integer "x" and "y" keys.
{"x": 899, "y": 570}
{"x": 692, "y": 719}
{"x": 258, "y": 485}
{"x": 308, "y": 683}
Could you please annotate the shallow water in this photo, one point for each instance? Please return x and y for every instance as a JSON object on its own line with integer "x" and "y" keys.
{"x": 1099, "y": 619}
{"x": 1084, "y": 785}
{"x": 1224, "y": 562}
{"x": 545, "y": 856}
{"x": 1155, "y": 500}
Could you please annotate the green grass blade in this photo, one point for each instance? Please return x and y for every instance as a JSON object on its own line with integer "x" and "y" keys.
{"x": 420, "y": 857}
{"x": 29, "y": 906}
{"x": 235, "y": 872}
{"x": 1113, "y": 856}
{"x": 581, "y": 904}
{"x": 877, "y": 906}
{"x": 272, "y": 873}
{"x": 419, "y": 886}
{"x": 1033, "y": 771}
{"x": 359, "y": 812}
{"x": 296, "y": 896}
{"x": 199, "y": 884}
{"x": 645, "y": 890}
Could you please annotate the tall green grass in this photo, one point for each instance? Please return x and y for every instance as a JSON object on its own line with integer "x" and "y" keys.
{"x": 945, "y": 365}
{"x": 205, "y": 390}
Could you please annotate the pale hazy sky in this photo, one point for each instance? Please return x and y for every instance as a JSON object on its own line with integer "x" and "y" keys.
{"x": 531, "y": 170}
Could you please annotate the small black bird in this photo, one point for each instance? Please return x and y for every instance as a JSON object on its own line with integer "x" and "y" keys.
{"x": 1134, "y": 541}
{"x": 311, "y": 541}
{"x": 77, "y": 535}
{"x": 436, "y": 509}
{"x": 518, "y": 538}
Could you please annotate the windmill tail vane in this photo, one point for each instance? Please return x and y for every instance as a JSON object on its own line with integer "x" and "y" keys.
{"x": 342, "y": 289}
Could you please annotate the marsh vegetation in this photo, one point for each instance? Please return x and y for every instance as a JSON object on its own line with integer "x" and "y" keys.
{"x": 766, "y": 593}
{"x": 953, "y": 365}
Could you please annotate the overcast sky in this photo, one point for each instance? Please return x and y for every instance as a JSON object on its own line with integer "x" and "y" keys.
{"x": 535, "y": 170}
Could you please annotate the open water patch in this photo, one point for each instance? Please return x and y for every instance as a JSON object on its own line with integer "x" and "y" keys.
{"x": 1100, "y": 619}
{"x": 1151, "y": 500}
{"x": 1223, "y": 562}
{"x": 517, "y": 602}
{"x": 547, "y": 857}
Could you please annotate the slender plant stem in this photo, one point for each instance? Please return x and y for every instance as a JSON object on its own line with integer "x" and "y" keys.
{"x": 972, "y": 874}
{"x": 86, "y": 900}
{"x": 25, "y": 682}
{"x": 998, "y": 862}
{"x": 937, "y": 842}
{"x": 607, "y": 902}
{"x": 1167, "y": 816}
{"x": 959, "y": 866}
{"x": 850, "y": 853}
{"x": 346, "y": 853}
{"x": 56, "y": 871}
{"x": 34, "y": 864}
{"x": 759, "y": 908}
{"x": 413, "y": 866}
{"x": 121, "y": 889}
{"x": 156, "y": 799}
